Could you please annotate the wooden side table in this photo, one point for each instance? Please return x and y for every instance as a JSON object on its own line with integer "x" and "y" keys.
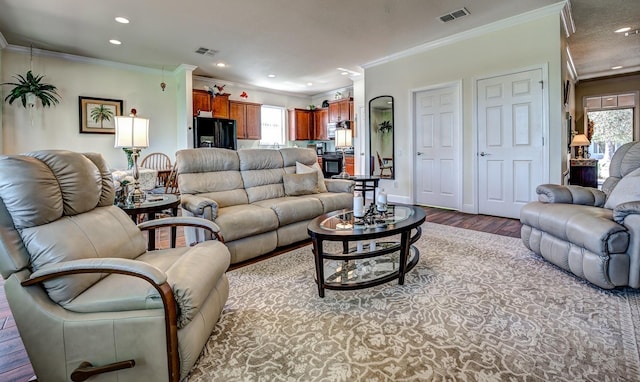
{"x": 584, "y": 172}
{"x": 151, "y": 206}
{"x": 364, "y": 184}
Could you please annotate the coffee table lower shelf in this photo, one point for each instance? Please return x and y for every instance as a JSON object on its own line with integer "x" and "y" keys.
{"x": 353, "y": 274}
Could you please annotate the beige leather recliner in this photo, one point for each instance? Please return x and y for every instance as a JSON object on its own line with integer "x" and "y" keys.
{"x": 86, "y": 295}
{"x": 592, "y": 233}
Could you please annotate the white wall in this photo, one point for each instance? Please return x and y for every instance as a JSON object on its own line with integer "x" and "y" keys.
{"x": 58, "y": 127}
{"x": 518, "y": 45}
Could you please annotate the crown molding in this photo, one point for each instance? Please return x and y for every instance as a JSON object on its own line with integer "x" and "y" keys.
{"x": 249, "y": 87}
{"x": 475, "y": 32}
{"x": 82, "y": 59}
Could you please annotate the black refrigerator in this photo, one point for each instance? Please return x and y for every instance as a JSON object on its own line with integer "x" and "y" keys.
{"x": 214, "y": 132}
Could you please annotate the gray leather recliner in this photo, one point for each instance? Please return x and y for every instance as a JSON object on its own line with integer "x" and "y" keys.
{"x": 594, "y": 234}
{"x": 86, "y": 295}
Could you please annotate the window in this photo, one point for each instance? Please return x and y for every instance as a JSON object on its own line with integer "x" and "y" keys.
{"x": 272, "y": 126}
{"x": 609, "y": 125}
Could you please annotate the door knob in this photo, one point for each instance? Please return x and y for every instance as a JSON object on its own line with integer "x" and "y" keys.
{"x": 419, "y": 153}
{"x": 483, "y": 154}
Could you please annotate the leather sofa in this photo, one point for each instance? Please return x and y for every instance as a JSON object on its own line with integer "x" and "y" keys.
{"x": 592, "y": 233}
{"x": 248, "y": 194}
{"x": 86, "y": 295}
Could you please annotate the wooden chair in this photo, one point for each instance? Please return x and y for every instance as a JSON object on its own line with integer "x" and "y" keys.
{"x": 385, "y": 164}
{"x": 159, "y": 162}
{"x": 171, "y": 186}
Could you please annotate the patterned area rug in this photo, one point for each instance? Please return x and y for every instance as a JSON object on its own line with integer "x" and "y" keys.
{"x": 477, "y": 307}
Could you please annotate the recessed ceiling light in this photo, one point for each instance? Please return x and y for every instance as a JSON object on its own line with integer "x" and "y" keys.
{"x": 344, "y": 73}
{"x": 271, "y": 76}
{"x": 221, "y": 64}
{"x": 616, "y": 67}
{"x": 309, "y": 83}
{"x": 122, "y": 20}
{"x": 115, "y": 42}
{"x": 622, "y": 30}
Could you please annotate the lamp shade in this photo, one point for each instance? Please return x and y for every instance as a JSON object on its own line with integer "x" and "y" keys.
{"x": 343, "y": 138}
{"x": 580, "y": 140}
{"x": 132, "y": 132}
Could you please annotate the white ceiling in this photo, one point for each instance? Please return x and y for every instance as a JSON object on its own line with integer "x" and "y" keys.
{"x": 300, "y": 41}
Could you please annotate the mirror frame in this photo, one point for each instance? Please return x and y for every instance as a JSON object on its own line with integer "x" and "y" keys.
{"x": 381, "y": 135}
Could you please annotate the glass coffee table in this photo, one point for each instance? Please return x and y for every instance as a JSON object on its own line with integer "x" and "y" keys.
{"x": 355, "y": 257}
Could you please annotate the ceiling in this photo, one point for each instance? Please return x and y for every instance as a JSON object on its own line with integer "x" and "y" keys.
{"x": 301, "y": 42}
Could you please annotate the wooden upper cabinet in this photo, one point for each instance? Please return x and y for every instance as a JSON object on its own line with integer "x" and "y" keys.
{"x": 201, "y": 101}
{"x": 248, "y": 120}
{"x": 340, "y": 110}
{"x": 253, "y": 124}
{"x": 300, "y": 124}
{"x": 221, "y": 106}
{"x": 320, "y": 120}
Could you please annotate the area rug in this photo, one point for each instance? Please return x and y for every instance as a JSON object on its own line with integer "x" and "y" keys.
{"x": 477, "y": 307}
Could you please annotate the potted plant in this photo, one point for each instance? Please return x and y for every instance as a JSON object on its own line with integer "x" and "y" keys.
{"x": 29, "y": 88}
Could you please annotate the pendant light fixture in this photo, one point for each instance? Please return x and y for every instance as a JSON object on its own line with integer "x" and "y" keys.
{"x": 163, "y": 84}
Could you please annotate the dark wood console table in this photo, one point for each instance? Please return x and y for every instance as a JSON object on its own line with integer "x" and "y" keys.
{"x": 584, "y": 172}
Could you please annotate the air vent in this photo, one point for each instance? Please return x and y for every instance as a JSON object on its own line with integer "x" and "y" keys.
{"x": 206, "y": 51}
{"x": 454, "y": 15}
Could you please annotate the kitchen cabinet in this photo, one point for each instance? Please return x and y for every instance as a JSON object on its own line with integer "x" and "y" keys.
{"x": 201, "y": 101}
{"x": 320, "y": 120}
{"x": 248, "y": 121}
{"x": 349, "y": 164}
{"x": 221, "y": 106}
{"x": 340, "y": 110}
{"x": 300, "y": 124}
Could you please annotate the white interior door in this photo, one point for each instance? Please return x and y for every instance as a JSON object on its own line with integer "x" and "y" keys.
{"x": 510, "y": 142}
{"x": 438, "y": 147}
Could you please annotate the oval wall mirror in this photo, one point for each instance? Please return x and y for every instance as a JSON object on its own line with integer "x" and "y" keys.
{"x": 381, "y": 148}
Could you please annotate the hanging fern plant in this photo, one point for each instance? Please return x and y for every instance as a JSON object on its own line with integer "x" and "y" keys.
{"x": 31, "y": 84}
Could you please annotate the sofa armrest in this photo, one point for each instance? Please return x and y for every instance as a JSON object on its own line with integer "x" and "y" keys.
{"x": 555, "y": 193}
{"x": 623, "y": 210}
{"x": 340, "y": 185}
{"x": 103, "y": 265}
{"x": 197, "y": 204}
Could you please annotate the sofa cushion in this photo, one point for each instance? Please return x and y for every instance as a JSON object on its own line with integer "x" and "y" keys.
{"x": 240, "y": 221}
{"x": 627, "y": 190}
{"x": 191, "y": 272}
{"x": 211, "y": 173}
{"x": 293, "y": 209}
{"x": 585, "y": 226}
{"x": 300, "y": 184}
{"x": 261, "y": 173}
{"x": 332, "y": 201}
{"x": 315, "y": 168}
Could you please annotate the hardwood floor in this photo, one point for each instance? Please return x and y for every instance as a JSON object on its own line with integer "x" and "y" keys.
{"x": 14, "y": 363}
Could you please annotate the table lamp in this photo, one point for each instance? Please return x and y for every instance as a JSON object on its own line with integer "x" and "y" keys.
{"x": 579, "y": 141}
{"x": 343, "y": 141}
{"x": 133, "y": 132}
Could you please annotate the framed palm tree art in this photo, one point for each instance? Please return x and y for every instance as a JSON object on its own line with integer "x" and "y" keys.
{"x": 97, "y": 115}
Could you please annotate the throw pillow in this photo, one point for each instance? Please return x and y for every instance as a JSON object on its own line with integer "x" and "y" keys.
{"x": 300, "y": 184}
{"x": 304, "y": 169}
{"x": 627, "y": 190}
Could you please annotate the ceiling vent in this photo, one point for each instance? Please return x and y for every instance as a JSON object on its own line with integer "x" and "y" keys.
{"x": 206, "y": 51}
{"x": 454, "y": 15}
